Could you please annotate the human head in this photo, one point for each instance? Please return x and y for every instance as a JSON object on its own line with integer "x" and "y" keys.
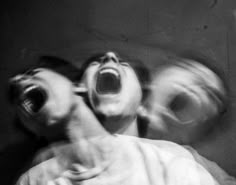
{"x": 44, "y": 95}
{"x": 186, "y": 100}
{"x": 116, "y": 86}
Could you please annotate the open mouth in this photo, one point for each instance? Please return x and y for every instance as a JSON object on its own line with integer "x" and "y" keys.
{"x": 108, "y": 81}
{"x": 33, "y": 98}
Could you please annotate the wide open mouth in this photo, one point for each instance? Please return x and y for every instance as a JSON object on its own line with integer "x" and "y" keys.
{"x": 33, "y": 98}
{"x": 108, "y": 81}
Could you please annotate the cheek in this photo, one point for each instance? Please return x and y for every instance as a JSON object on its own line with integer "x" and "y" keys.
{"x": 132, "y": 84}
{"x": 132, "y": 90}
{"x": 61, "y": 102}
{"x": 89, "y": 77}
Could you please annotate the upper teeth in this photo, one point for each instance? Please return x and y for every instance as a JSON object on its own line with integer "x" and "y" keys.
{"x": 110, "y": 71}
{"x": 29, "y": 88}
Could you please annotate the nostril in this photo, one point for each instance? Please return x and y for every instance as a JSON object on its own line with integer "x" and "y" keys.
{"x": 105, "y": 60}
{"x": 110, "y": 57}
{"x": 114, "y": 59}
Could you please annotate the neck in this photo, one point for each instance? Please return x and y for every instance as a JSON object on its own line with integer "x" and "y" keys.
{"x": 121, "y": 125}
{"x": 132, "y": 129}
{"x": 91, "y": 144}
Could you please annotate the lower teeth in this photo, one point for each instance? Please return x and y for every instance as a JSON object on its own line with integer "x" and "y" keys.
{"x": 27, "y": 104}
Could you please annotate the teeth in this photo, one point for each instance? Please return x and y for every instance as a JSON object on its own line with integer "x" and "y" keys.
{"x": 28, "y": 105}
{"x": 29, "y": 88}
{"x": 112, "y": 71}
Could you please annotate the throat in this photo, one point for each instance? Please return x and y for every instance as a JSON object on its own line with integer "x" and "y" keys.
{"x": 125, "y": 125}
{"x": 91, "y": 146}
{"x": 132, "y": 129}
{"x": 87, "y": 158}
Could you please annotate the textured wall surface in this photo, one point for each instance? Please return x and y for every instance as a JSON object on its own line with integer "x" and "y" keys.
{"x": 150, "y": 30}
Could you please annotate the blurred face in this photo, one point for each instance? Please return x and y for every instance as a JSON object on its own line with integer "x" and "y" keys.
{"x": 177, "y": 99}
{"x": 43, "y": 98}
{"x": 185, "y": 95}
{"x": 113, "y": 87}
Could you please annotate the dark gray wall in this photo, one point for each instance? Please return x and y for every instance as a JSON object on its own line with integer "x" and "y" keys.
{"x": 150, "y": 30}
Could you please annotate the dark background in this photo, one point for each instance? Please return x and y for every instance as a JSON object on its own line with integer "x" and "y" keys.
{"x": 150, "y": 30}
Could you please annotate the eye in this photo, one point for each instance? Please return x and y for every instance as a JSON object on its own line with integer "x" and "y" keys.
{"x": 32, "y": 72}
{"x": 94, "y": 63}
{"x": 125, "y": 64}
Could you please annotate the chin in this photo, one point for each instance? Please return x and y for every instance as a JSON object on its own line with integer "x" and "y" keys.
{"x": 109, "y": 110}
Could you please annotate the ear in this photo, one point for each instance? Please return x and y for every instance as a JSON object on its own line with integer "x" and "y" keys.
{"x": 79, "y": 88}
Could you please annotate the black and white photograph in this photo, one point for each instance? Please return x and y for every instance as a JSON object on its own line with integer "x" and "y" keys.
{"x": 108, "y": 92}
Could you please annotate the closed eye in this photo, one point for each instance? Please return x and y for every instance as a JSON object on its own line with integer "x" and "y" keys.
{"x": 94, "y": 63}
{"x": 32, "y": 72}
{"x": 125, "y": 64}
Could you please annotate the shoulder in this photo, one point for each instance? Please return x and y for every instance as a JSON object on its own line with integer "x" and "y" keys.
{"x": 178, "y": 163}
{"x": 40, "y": 173}
{"x": 182, "y": 171}
{"x": 213, "y": 168}
{"x": 161, "y": 146}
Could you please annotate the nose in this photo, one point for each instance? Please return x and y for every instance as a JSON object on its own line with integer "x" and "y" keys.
{"x": 110, "y": 57}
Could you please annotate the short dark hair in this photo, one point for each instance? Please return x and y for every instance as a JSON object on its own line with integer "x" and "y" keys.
{"x": 141, "y": 70}
{"x": 53, "y": 63}
{"x": 60, "y": 66}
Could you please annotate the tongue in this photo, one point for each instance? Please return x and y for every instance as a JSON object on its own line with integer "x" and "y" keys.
{"x": 108, "y": 83}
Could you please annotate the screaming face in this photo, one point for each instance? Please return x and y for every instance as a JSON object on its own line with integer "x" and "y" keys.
{"x": 113, "y": 87}
{"x": 43, "y": 99}
{"x": 185, "y": 101}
